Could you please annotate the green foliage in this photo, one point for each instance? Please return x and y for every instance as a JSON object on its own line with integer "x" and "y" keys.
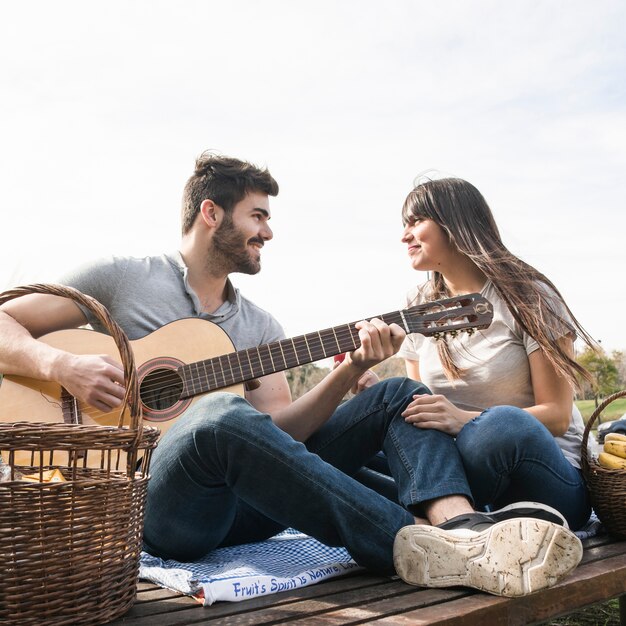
{"x": 606, "y": 379}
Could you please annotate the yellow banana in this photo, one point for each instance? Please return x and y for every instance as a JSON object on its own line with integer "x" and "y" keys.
{"x": 618, "y": 448}
{"x": 610, "y": 461}
{"x": 614, "y": 437}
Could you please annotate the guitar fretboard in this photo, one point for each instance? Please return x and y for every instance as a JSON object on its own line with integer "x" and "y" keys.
{"x": 238, "y": 367}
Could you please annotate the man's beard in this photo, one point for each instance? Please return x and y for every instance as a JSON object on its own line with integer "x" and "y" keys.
{"x": 230, "y": 249}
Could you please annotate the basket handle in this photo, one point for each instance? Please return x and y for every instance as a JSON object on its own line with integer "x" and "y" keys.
{"x": 594, "y": 417}
{"x": 131, "y": 398}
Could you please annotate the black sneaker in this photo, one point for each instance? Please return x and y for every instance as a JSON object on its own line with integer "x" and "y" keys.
{"x": 481, "y": 521}
{"x": 536, "y": 510}
{"x": 476, "y": 522}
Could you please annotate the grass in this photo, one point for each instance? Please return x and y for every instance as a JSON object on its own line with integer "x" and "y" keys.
{"x": 604, "y": 614}
{"x": 616, "y": 409}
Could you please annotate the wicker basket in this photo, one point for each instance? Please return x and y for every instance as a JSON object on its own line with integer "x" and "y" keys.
{"x": 606, "y": 486}
{"x": 69, "y": 551}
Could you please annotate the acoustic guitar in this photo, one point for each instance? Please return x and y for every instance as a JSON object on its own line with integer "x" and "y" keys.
{"x": 201, "y": 359}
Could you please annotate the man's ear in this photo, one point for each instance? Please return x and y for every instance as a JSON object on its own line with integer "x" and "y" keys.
{"x": 211, "y": 213}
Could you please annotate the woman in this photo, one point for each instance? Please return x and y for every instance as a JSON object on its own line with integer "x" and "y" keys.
{"x": 504, "y": 393}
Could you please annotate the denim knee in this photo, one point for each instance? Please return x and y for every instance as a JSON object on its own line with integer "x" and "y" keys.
{"x": 499, "y": 430}
{"x": 401, "y": 389}
{"x": 214, "y": 412}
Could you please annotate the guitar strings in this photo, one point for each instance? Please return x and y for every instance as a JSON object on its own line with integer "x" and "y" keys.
{"x": 157, "y": 383}
{"x": 312, "y": 342}
{"x": 301, "y": 347}
{"x": 244, "y": 364}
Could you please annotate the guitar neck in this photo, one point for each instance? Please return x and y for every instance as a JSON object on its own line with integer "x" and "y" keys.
{"x": 450, "y": 315}
{"x": 244, "y": 365}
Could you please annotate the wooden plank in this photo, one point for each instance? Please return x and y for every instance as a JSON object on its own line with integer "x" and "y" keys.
{"x": 247, "y": 613}
{"x": 416, "y": 598}
{"x": 318, "y": 608}
{"x": 153, "y": 606}
{"x": 597, "y": 553}
{"x": 590, "y": 583}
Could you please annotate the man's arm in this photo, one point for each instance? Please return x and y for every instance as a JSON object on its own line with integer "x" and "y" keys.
{"x": 304, "y": 416}
{"x": 95, "y": 379}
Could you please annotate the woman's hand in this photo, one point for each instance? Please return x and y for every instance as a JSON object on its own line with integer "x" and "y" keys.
{"x": 437, "y": 412}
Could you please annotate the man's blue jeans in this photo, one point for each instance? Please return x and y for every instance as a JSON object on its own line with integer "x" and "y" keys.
{"x": 224, "y": 474}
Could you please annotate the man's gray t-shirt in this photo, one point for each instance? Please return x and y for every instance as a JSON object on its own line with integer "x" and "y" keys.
{"x": 143, "y": 294}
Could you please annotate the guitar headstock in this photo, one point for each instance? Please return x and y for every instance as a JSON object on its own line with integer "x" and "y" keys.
{"x": 466, "y": 313}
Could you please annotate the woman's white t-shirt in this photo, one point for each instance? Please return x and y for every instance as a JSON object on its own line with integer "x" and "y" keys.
{"x": 495, "y": 363}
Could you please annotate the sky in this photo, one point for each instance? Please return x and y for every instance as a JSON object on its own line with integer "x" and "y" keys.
{"x": 105, "y": 105}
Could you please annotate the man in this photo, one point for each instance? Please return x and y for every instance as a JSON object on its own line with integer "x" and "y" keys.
{"x": 233, "y": 470}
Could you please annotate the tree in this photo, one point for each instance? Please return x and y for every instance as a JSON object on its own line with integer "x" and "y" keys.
{"x": 604, "y": 372}
{"x": 619, "y": 358}
{"x": 304, "y": 377}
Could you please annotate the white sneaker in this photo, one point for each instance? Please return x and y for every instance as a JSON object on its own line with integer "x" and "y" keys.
{"x": 510, "y": 558}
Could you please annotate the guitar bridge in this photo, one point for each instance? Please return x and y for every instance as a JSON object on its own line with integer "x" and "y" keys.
{"x": 69, "y": 406}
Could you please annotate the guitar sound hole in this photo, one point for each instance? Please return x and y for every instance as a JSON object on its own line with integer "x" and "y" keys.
{"x": 161, "y": 389}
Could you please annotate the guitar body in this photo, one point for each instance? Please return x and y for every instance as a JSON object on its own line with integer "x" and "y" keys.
{"x": 183, "y": 341}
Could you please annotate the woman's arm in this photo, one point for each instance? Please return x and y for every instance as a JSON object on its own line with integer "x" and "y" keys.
{"x": 553, "y": 399}
{"x": 412, "y": 369}
{"x": 554, "y": 395}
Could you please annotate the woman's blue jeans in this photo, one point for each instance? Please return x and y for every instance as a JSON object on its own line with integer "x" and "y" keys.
{"x": 224, "y": 474}
{"x": 509, "y": 456}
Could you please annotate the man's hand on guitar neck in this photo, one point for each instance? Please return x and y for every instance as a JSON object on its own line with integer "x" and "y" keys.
{"x": 97, "y": 380}
{"x": 379, "y": 341}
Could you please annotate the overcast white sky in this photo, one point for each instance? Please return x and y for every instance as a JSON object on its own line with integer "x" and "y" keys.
{"x": 105, "y": 105}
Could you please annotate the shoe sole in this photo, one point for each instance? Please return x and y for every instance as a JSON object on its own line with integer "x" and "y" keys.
{"x": 512, "y": 558}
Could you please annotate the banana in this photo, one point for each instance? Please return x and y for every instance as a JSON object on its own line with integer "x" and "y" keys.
{"x": 618, "y": 448}
{"x": 615, "y": 437}
{"x": 610, "y": 461}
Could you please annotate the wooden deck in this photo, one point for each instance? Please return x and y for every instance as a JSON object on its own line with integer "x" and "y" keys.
{"x": 363, "y": 598}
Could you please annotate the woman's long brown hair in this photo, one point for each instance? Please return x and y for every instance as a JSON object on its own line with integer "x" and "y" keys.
{"x": 462, "y": 212}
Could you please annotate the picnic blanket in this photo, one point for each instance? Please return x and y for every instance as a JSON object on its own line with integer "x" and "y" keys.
{"x": 287, "y": 561}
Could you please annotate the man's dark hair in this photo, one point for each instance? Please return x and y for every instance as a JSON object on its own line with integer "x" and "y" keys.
{"x": 224, "y": 180}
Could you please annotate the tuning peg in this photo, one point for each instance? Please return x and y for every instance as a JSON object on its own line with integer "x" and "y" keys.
{"x": 469, "y": 331}
{"x": 453, "y": 333}
{"x": 437, "y": 336}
